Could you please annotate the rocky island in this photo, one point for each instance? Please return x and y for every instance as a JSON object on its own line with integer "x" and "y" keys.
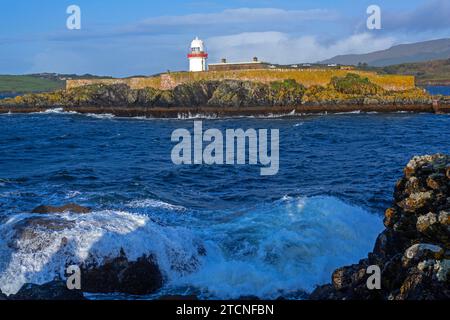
{"x": 230, "y": 97}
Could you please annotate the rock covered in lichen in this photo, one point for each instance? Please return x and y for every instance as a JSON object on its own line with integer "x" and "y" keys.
{"x": 351, "y": 89}
{"x": 413, "y": 252}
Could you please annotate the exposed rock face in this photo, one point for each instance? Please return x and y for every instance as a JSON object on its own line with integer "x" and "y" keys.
{"x": 352, "y": 89}
{"x": 71, "y": 207}
{"x": 55, "y": 290}
{"x": 120, "y": 275}
{"x": 226, "y": 93}
{"x": 28, "y": 230}
{"x": 413, "y": 252}
{"x": 108, "y": 274}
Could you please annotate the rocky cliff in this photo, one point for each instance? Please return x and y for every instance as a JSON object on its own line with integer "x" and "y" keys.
{"x": 350, "y": 89}
{"x": 413, "y": 252}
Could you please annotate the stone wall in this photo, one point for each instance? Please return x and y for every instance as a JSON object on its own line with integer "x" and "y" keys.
{"x": 307, "y": 77}
{"x": 238, "y": 66}
{"x": 134, "y": 83}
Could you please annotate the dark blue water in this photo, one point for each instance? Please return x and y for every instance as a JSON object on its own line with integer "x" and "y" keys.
{"x": 263, "y": 236}
{"x": 435, "y": 90}
{"x": 4, "y": 95}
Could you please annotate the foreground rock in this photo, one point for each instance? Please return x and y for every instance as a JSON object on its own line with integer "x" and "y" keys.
{"x": 108, "y": 274}
{"x": 413, "y": 252}
{"x": 121, "y": 275}
{"x": 55, "y": 290}
{"x": 71, "y": 207}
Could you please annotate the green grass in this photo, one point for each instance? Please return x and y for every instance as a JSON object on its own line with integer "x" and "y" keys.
{"x": 425, "y": 72}
{"x": 26, "y": 84}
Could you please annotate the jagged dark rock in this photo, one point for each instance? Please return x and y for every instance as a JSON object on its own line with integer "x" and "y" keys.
{"x": 55, "y": 290}
{"x": 413, "y": 252}
{"x": 28, "y": 231}
{"x": 71, "y": 207}
{"x": 98, "y": 275}
{"x": 224, "y": 93}
{"x": 121, "y": 275}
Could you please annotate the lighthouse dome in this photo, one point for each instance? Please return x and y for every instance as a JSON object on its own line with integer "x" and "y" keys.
{"x": 197, "y": 45}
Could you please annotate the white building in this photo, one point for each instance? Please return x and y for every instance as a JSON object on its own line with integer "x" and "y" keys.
{"x": 197, "y": 56}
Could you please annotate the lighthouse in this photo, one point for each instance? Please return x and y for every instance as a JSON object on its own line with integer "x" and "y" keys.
{"x": 197, "y": 56}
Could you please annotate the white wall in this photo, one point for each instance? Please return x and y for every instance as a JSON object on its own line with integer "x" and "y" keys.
{"x": 197, "y": 64}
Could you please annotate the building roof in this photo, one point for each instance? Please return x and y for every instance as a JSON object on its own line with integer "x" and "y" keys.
{"x": 197, "y": 43}
{"x": 236, "y": 63}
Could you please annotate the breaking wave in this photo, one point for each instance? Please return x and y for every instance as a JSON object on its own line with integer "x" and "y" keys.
{"x": 151, "y": 203}
{"x": 56, "y": 111}
{"x": 281, "y": 249}
{"x": 39, "y": 255}
{"x": 271, "y": 250}
{"x": 101, "y": 115}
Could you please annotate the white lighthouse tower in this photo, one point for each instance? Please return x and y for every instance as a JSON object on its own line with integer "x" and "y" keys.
{"x": 197, "y": 56}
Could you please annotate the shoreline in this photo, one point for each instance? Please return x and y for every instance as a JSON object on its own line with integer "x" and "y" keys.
{"x": 132, "y": 112}
{"x": 411, "y": 255}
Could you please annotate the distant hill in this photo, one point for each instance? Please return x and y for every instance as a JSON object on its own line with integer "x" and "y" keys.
{"x": 436, "y": 72}
{"x": 27, "y": 83}
{"x": 39, "y": 82}
{"x": 403, "y": 53}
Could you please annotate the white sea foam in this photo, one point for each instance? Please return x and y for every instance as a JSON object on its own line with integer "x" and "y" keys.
{"x": 151, "y": 203}
{"x": 72, "y": 194}
{"x": 100, "y": 115}
{"x": 57, "y": 111}
{"x": 279, "y": 248}
{"x": 280, "y": 115}
{"x": 294, "y": 245}
{"x": 189, "y": 116}
{"x": 212, "y": 116}
{"x": 98, "y": 235}
{"x": 349, "y": 112}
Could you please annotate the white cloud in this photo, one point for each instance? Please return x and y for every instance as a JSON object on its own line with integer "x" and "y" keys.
{"x": 278, "y": 47}
{"x": 243, "y": 15}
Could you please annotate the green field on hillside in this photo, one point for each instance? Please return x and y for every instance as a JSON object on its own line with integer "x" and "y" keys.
{"x": 25, "y": 84}
{"x": 430, "y": 72}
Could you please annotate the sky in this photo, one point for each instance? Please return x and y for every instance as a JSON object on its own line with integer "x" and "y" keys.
{"x": 144, "y": 37}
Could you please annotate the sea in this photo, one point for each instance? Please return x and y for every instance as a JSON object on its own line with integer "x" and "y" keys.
{"x": 436, "y": 90}
{"x": 4, "y": 95}
{"x": 216, "y": 231}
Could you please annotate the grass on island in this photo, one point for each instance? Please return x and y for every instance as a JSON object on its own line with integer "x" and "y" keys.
{"x": 307, "y": 77}
{"x": 28, "y": 84}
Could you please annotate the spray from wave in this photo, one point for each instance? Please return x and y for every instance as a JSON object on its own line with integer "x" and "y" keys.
{"x": 39, "y": 254}
{"x": 293, "y": 245}
{"x": 267, "y": 251}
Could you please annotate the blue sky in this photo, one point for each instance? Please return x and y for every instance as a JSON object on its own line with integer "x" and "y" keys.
{"x": 141, "y": 37}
